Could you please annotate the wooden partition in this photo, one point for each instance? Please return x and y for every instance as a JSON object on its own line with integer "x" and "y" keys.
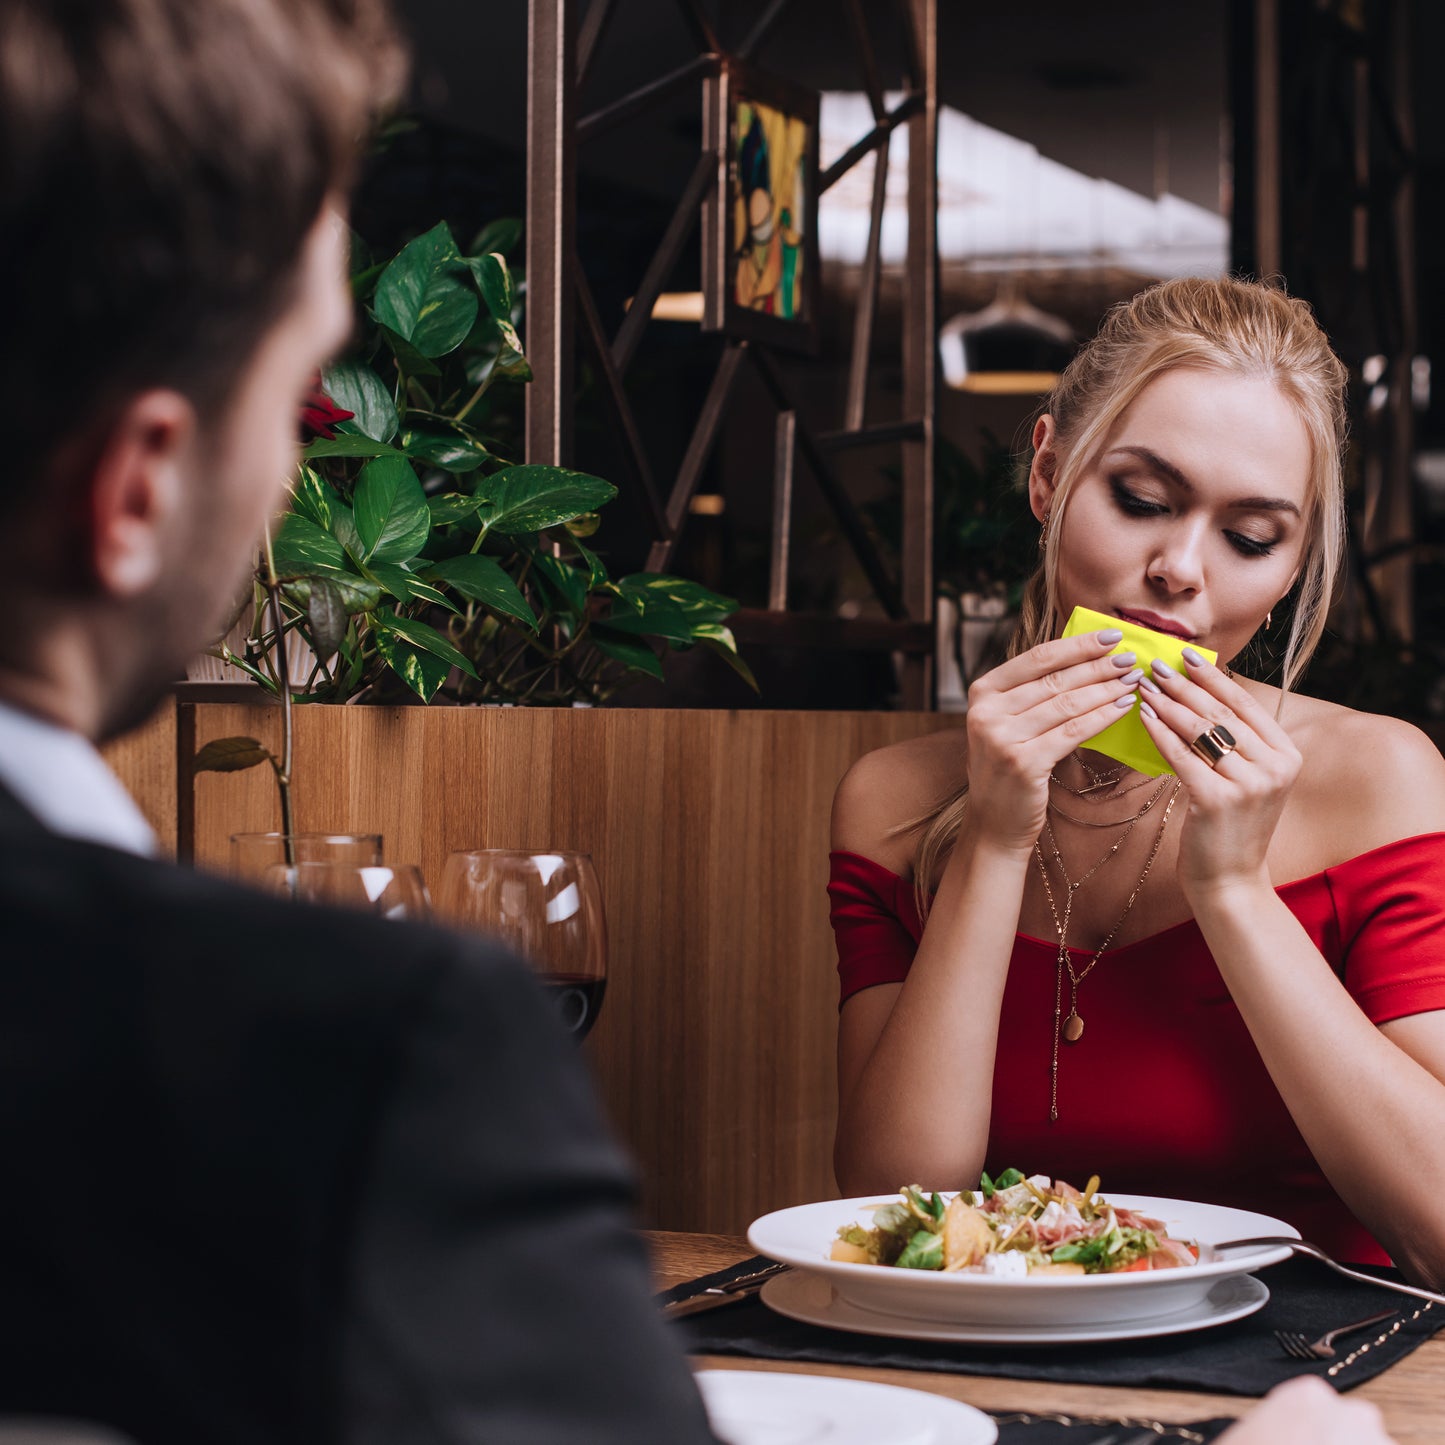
{"x": 714, "y": 1050}
{"x": 145, "y": 761}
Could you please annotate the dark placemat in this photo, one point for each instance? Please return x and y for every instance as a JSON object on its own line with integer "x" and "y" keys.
{"x": 1095, "y": 1430}
{"x": 1237, "y": 1359}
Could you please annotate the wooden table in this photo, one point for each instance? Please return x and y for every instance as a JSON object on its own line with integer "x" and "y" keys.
{"x": 1411, "y": 1394}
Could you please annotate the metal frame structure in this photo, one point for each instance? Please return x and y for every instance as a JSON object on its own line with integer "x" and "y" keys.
{"x": 562, "y": 48}
{"x": 1325, "y": 195}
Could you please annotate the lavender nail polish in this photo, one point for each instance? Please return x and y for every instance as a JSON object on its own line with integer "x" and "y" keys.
{"x": 1149, "y": 685}
{"x": 1127, "y": 700}
{"x": 1147, "y": 710}
{"x": 1111, "y": 635}
{"x": 1124, "y": 659}
{"x": 1193, "y": 658}
{"x": 1162, "y": 668}
{"x": 1134, "y": 676}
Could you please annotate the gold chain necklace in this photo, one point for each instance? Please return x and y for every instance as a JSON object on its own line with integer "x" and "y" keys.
{"x": 1097, "y": 781}
{"x": 1154, "y": 797}
{"x": 1072, "y": 1028}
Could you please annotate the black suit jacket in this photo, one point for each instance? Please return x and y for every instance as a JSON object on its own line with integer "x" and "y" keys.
{"x": 275, "y": 1174}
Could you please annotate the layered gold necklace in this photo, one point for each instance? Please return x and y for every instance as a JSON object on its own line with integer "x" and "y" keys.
{"x": 1071, "y": 1029}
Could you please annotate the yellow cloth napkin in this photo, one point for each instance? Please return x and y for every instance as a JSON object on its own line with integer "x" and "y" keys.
{"x": 1126, "y": 741}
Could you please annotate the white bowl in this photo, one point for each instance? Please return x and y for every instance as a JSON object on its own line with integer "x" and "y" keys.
{"x": 802, "y": 1237}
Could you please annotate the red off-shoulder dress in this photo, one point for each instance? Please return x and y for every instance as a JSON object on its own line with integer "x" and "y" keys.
{"x": 1166, "y": 1094}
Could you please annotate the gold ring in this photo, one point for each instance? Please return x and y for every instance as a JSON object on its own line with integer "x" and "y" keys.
{"x": 1213, "y": 744}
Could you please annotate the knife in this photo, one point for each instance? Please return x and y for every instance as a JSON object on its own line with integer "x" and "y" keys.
{"x": 742, "y": 1288}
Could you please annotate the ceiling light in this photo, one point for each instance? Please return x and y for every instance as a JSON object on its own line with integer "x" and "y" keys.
{"x": 1010, "y": 348}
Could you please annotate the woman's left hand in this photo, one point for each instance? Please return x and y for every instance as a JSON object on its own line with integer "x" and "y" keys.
{"x": 1234, "y": 804}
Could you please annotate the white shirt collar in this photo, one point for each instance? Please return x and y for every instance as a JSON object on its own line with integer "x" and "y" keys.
{"x": 64, "y": 781}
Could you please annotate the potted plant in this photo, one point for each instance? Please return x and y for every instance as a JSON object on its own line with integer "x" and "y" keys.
{"x": 985, "y": 545}
{"x": 418, "y": 560}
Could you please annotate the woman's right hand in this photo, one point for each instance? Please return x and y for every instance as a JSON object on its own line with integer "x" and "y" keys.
{"x": 1030, "y": 712}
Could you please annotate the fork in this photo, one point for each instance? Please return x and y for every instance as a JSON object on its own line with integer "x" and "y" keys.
{"x": 1300, "y": 1247}
{"x": 1292, "y": 1342}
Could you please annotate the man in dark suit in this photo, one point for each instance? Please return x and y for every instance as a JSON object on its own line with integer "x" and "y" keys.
{"x": 270, "y": 1174}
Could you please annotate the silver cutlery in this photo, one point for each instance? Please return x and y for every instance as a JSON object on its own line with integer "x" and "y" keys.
{"x": 1292, "y": 1342}
{"x": 745, "y": 1286}
{"x": 1300, "y": 1247}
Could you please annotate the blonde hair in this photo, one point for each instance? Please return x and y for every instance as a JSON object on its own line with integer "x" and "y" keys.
{"x": 1243, "y": 327}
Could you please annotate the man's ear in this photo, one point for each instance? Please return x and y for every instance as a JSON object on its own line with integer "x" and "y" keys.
{"x": 1043, "y": 472}
{"x": 136, "y": 493}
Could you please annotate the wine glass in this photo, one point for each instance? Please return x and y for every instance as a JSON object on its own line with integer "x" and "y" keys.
{"x": 253, "y": 853}
{"x": 546, "y": 906}
{"x": 396, "y": 894}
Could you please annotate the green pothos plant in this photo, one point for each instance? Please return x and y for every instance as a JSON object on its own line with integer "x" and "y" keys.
{"x": 419, "y": 559}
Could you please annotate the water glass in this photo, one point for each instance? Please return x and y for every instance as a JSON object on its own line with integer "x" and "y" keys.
{"x": 253, "y": 853}
{"x": 394, "y": 894}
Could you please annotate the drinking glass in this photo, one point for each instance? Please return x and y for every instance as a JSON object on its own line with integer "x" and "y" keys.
{"x": 548, "y": 908}
{"x": 253, "y": 853}
{"x": 396, "y": 894}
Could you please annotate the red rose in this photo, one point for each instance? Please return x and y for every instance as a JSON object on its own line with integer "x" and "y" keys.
{"x": 319, "y": 414}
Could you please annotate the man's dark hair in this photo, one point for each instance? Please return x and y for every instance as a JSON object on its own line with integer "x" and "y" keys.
{"x": 161, "y": 162}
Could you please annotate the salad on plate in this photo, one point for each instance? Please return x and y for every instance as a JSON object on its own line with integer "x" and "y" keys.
{"x": 1013, "y": 1226}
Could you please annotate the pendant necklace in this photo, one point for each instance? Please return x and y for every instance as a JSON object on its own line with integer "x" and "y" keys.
{"x": 1097, "y": 782}
{"x": 1071, "y": 1029}
{"x": 1153, "y": 798}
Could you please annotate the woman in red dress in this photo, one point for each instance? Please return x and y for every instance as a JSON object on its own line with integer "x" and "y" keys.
{"x": 1223, "y": 985}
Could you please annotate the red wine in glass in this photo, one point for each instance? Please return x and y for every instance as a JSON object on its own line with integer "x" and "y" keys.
{"x": 577, "y": 1000}
{"x": 545, "y": 906}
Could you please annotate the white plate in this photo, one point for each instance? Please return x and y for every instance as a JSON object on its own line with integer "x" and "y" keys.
{"x": 773, "y": 1407}
{"x": 811, "y": 1299}
{"x": 802, "y": 1237}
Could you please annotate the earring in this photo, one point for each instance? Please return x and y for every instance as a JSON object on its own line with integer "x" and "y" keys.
{"x": 1269, "y": 619}
{"x": 1044, "y": 532}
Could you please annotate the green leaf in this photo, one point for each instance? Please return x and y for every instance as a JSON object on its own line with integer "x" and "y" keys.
{"x": 230, "y": 755}
{"x": 424, "y": 637}
{"x": 494, "y": 281}
{"x": 531, "y": 498}
{"x": 348, "y": 445}
{"x": 312, "y": 497}
{"x": 500, "y": 236}
{"x": 420, "y": 298}
{"x": 316, "y": 499}
{"x": 597, "y": 573}
{"x": 449, "y": 507}
{"x": 420, "y": 671}
{"x": 567, "y": 584}
{"x": 358, "y": 594}
{"x": 483, "y": 579}
{"x": 326, "y": 614}
{"x": 729, "y": 654}
{"x": 659, "y": 620}
{"x": 406, "y": 586}
{"x": 411, "y": 361}
{"x": 657, "y": 589}
{"x": 301, "y": 547}
{"x": 512, "y": 363}
{"x": 1008, "y": 1179}
{"x": 355, "y": 387}
{"x": 452, "y": 451}
{"x": 634, "y": 655}
{"x": 392, "y": 517}
{"x": 923, "y": 1251}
